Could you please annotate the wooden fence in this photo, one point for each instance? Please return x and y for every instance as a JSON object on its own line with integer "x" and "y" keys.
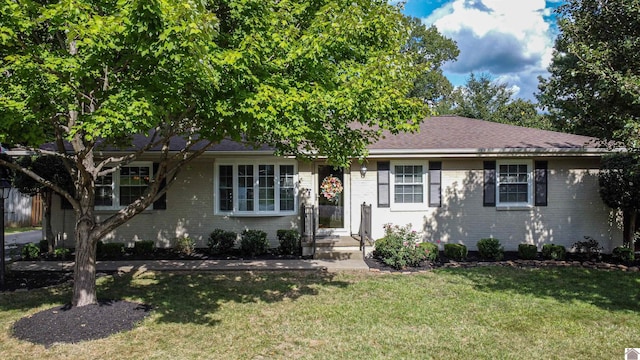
{"x": 22, "y": 210}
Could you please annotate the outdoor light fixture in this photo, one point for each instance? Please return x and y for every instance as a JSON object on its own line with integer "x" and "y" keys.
{"x": 5, "y": 188}
{"x": 363, "y": 170}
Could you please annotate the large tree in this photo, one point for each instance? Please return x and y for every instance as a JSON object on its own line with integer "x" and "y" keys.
{"x": 484, "y": 98}
{"x": 594, "y": 85}
{"x": 297, "y": 75}
{"x": 433, "y": 50}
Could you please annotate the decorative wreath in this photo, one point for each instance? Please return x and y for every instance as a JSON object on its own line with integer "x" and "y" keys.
{"x": 331, "y": 187}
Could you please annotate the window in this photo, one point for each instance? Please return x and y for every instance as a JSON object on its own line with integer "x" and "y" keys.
{"x": 511, "y": 183}
{"x": 408, "y": 187}
{"x": 402, "y": 185}
{"x": 251, "y": 188}
{"x": 124, "y": 186}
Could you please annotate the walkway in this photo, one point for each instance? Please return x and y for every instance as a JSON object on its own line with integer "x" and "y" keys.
{"x": 201, "y": 265}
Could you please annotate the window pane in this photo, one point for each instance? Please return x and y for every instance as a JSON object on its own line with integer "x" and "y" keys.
{"x": 245, "y": 188}
{"x": 104, "y": 190}
{"x": 134, "y": 180}
{"x": 225, "y": 190}
{"x": 287, "y": 199}
{"x": 266, "y": 187}
{"x": 408, "y": 187}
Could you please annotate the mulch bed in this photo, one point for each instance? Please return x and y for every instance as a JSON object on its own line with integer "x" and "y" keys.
{"x": 511, "y": 259}
{"x": 67, "y": 324}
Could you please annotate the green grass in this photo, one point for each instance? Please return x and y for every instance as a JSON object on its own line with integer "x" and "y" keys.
{"x": 13, "y": 230}
{"x": 487, "y": 313}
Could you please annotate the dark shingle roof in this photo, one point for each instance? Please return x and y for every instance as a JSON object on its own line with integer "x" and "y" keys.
{"x": 455, "y": 132}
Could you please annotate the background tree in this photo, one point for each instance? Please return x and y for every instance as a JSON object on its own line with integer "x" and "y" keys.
{"x": 83, "y": 76}
{"x": 594, "y": 85}
{"x": 594, "y": 89}
{"x": 619, "y": 181}
{"x": 50, "y": 168}
{"x": 432, "y": 49}
{"x": 484, "y": 98}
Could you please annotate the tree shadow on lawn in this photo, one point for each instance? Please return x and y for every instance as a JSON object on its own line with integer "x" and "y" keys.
{"x": 192, "y": 297}
{"x": 609, "y": 290}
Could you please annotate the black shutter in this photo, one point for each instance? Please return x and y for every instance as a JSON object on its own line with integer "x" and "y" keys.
{"x": 541, "y": 183}
{"x": 435, "y": 179}
{"x": 489, "y": 198}
{"x": 161, "y": 203}
{"x": 383, "y": 184}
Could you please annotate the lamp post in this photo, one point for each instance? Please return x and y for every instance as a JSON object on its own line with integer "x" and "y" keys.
{"x": 5, "y": 188}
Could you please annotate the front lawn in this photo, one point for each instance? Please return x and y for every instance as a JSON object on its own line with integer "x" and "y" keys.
{"x": 489, "y": 312}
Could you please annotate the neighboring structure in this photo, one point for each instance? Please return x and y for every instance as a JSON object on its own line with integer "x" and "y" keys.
{"x": 456, "y": 181}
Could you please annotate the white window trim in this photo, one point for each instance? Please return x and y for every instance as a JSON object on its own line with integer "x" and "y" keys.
{"x": 115, "y": 185}
{"x": 515, "y": 205}
{"x": 255, "y": 163}
{"x": 421, "y": 206}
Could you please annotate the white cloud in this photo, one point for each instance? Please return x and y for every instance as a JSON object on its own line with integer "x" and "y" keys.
{"x": 507, "y": 38}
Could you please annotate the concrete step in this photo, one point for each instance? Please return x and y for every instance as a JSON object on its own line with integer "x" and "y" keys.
{"x": 325, "y": 254}
{"x": 333, "y": 248}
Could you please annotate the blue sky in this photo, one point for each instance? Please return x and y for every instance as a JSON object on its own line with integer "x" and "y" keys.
{"x": 512, "y": 40}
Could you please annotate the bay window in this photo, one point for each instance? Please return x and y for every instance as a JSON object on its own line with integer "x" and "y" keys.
{"x": 246, "y": 188}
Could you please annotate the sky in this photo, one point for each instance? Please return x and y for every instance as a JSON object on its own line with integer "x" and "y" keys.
{"x": 511, "y": 40}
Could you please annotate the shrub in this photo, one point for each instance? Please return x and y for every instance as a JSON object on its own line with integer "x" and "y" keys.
{"x": 289, "y": 240}
{"x": 430, "y": 250}
{"x": 61, "y": 253}
{"x": 254, "y": 242}
{"x": 553, "y": 252}
{"x": 112, "y": 250}
{"x": 221, "y": 241}
{"x": 143, "y": 247}
{"x": 490, "y": 249}
{"x": 622, "y": 253}
{"x": 527, "y": 251}
{"x": 589, "y": 249}
{"x": 44, "y": 246}
{"x": 30, "y": 251}
{"x": 185, "y": 245}
{"x": 456, "y": 252}
{"x": 399, "y": 248}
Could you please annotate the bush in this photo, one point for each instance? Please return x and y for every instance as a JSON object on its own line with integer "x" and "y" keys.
{"x": 456, "y": 252}
{"x": 44, "y": 246}
{"x": 527, "y": 251}
{"x": 622, "y": 253}
{"x": 289, "y": 241}
{"x": 144, "y": 247}
{"x": 490, "y": 249}
{"x": 553, "y": 252}
{"x": 111, "y": 250}
{"x": 430, "y": 250}
{"x": 399, "y": 248}
{"x": 185, "y": 245}
{"x": 30, "y": 251}
{"x": 589, "y": 249}
{"x": 221, "y": 241}
{"x": 61, "y": 253}
{"x": 254, "y": 242}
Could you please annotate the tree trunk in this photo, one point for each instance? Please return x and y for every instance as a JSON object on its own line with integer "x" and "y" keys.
{"x": 631, "y": 231}
{"x": 48, "y": 231}
{"x": 84, "y": 284}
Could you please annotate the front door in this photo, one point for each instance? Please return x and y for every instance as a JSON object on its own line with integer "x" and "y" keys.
{"x": 331, "y": 200}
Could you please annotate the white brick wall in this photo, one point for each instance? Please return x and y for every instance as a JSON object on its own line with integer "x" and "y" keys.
{"x": 190, "y": 211}
{"x": 575, "y": 209}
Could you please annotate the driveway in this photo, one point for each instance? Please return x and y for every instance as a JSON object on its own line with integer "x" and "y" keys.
{"x": 13, "y": 242}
